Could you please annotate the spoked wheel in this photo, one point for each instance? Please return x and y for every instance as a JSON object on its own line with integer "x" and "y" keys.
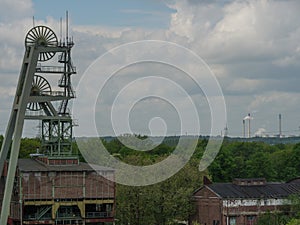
{"x": 42, "y": 36}
{"x": 34, "y": 106}
{"x": 40, "y": 86}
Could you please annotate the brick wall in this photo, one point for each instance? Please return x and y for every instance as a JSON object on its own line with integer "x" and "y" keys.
{"x": 67, "y": 185}
{"x": 208, "y": 207}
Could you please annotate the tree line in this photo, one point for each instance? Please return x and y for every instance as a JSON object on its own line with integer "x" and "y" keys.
{"x": 169, "y": 202}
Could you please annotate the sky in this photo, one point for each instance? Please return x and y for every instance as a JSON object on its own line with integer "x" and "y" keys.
{"x": 251, "y": 47}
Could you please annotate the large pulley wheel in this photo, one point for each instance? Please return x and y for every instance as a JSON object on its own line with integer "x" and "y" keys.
{"x": 40, "y": 86}
{"x": 42, "y": 36}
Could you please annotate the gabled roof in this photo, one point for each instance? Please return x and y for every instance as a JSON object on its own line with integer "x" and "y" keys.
{"x": 268, "y": 190}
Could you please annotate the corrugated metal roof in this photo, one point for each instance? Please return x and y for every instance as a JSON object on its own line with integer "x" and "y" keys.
{"x": 31, "y": 165}
{"x": 269, "y": 190}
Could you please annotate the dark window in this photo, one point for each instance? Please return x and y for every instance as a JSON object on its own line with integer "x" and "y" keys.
{"x": 216, "y": 222}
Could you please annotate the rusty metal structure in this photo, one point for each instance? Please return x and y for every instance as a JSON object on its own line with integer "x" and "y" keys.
{"x": 52, "y": 187}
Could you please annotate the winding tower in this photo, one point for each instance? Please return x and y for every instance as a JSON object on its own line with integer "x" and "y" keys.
{"x": 35, "y": 99}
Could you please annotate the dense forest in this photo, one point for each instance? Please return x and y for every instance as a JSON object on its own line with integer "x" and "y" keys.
{"x": 170, "y": 201}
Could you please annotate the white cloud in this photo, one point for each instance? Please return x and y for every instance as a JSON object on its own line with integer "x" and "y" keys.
{"x": 245, "y": 86}
{"x": 15, "y": 9}
{"x": 7, "y": 91}
{"x": 287, "y": 61}
{"x": 275, "y": 100}
{"x": 240, "y": 30}
{"x": 252, "y": 47}
{"x": 255, "y": 47}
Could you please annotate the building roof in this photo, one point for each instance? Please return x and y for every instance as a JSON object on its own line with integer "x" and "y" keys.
{"x": 32, "y": 165}
{"x": 268, "y": 190}
{"x": 295, "y": 180}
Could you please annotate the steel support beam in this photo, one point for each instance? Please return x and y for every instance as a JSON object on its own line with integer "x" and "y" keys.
{"x": 16, "y": 126}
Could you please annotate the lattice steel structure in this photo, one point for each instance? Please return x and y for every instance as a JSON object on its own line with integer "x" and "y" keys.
{"x": 36, "y": 100}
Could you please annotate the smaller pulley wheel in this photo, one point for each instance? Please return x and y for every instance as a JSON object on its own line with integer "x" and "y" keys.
{"x": 40, "y": 86}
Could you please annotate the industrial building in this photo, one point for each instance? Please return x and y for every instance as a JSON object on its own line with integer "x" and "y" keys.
{"x": 242, "y": 201}
{"x": 60, "y": 191}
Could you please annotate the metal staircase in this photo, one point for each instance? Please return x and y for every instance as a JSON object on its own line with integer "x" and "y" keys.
{"x": 63, "y": 108}
{"x": 43, "y": 212}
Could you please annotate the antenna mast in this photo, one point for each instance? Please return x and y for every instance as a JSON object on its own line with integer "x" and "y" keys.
{"x": 67, "y": 26}
{"x": 60, "y": 29}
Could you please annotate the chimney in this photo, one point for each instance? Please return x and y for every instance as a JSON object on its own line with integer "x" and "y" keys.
{"x": 244, "y": 129}
{"x": 249, "y": 128}
{"x": 206, "y": 181}
{"x": 280, "y": 132}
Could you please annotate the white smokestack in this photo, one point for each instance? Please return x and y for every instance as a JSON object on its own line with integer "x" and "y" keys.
{"x": 249, "y": 128}
{"x": 244, "y": 129}
{"x": 249, "y": 118}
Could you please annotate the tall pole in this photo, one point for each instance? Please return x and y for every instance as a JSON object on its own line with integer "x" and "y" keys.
{"x": 280, "y": 132}
{"x": 244, "y": 129}
{"x": 67, "y": 26}
{"x": 249, "y": 126}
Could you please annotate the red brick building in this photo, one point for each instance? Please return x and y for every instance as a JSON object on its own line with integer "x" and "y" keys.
{"x": 240, "y": 202}
{"x": 61, "y": 191}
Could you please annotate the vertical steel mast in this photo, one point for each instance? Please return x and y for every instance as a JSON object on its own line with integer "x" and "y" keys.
{"x": 34, "y": 101}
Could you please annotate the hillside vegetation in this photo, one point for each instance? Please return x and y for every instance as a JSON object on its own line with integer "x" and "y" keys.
{"x": 170, "y": 201}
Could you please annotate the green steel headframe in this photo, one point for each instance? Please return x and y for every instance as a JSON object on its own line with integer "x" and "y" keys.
{"x": 34, "y": 101}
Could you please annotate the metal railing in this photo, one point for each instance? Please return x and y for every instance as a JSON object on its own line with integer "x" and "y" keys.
{"x": 68, "y": 222}
{"x": 34, "y": 113}
{"x": 98, "y": 214}
{"x": 52, "y": 93}
{"x": 56, "y": 94}
{"x": 72, "y": 215}
{"x": 54, "y": 69}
